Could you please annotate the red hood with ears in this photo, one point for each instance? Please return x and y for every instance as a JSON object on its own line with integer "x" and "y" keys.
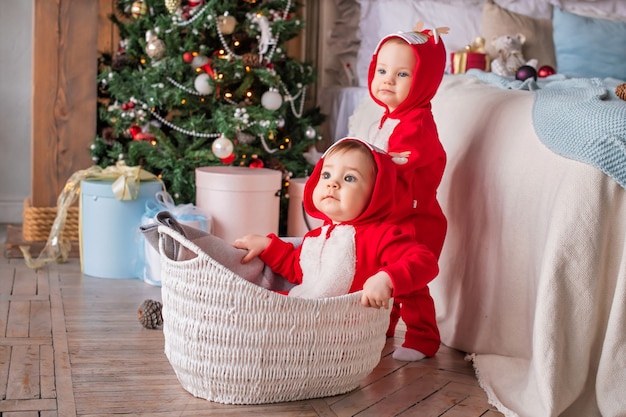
{"x": 383, "y": 198}
{"x": 430, "y": 63}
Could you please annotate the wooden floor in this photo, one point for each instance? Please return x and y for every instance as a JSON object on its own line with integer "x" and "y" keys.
{"x": 71, "y": 345}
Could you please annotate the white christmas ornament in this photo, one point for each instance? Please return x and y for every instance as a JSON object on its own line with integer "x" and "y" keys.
{"x": 271, "y": 99}
{"x": 222, "y": 147}
{"x": 199, "y": 61}
{"x": 155, "y": 47}
{"x": 202, "y": 84}
{"x": 310, "y": 133}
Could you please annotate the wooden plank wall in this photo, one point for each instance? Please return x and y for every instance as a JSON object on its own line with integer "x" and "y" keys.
{"x": 67, "y": 37}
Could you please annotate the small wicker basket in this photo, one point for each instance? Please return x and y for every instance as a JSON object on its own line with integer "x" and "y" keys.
{"x": 37, "y": 222}
{"x": 233, "y": 342}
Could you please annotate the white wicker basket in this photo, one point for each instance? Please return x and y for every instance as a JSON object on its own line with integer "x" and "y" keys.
{"x": 233, "y": 342}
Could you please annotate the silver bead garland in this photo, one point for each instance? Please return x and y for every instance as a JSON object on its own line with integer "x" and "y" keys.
{"x": 178, "y": 128}
{"x": 302, "y": 94}
{"x": 189, "y": 21}
{"x": 185, "y": 89}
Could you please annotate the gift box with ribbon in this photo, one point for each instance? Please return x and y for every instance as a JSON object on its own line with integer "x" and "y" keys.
{"x": 110, "y": 211}
{"x": 149, "y": 264}
{"x": 473, "y": 56}
{"x": 111, "y": 204}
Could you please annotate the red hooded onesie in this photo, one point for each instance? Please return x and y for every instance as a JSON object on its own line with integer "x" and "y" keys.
{"x": 409, "y": 133}
{"x": 335, "y": 259}
{"x": 410, "y": 130}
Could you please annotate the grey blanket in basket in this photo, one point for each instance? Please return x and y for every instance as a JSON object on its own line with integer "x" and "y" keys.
{"x": 221, "y": 251}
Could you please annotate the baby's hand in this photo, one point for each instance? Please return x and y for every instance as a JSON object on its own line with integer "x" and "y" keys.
{"x": 254, "y": 244}
{"x": 377, "y": 291}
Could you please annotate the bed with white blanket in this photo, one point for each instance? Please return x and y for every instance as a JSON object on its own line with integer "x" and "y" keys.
{"x": 533, "y": 271}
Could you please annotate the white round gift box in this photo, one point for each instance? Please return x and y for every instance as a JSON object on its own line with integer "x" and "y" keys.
{"x": 240, "y": 200}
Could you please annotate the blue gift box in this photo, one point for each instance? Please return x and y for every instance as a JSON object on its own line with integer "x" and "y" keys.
{"x": 149, "y": 263}
{"x": 109, "y": 228}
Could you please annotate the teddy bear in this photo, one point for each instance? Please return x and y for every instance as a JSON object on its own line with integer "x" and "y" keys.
{"x": 509, "y": 56}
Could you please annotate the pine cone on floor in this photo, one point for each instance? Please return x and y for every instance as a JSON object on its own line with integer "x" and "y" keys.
{"x": 620, "y": 90}
{"x": 149, "y": 314}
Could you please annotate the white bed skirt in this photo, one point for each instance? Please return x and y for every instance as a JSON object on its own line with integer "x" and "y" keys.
{"x": 533, "y": 270}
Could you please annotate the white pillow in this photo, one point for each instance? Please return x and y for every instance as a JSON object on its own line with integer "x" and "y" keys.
{"x": 605, "y": 9}
{"x": 539, "y": 9}
{"x": 382, "y": 17}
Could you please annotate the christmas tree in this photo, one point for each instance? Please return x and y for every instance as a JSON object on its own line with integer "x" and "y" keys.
{"x": 205, "y": 82}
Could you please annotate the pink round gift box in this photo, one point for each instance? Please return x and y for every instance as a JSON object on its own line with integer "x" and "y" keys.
{"x": 240, "y": 200}
{"x": 297, "y": 223}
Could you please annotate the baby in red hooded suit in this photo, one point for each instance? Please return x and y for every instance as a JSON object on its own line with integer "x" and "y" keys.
{"x": 355, "y": 248}
{"x": 404, "y": 75}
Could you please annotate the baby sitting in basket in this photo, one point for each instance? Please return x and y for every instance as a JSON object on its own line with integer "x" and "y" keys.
{"x": 352, "y": 190}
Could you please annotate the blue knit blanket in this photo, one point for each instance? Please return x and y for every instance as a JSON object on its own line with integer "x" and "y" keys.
{"x": 578, "y": 118}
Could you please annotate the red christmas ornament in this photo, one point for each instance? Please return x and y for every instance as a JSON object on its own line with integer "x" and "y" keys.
{"x": 134, "y": 131}
{"x": 256, "y": 163}
{"x": 545, "y": 71}
{"x": 187, "y": 57}
{"x": 228, "y": 160}
{"x": 144, "y": 136}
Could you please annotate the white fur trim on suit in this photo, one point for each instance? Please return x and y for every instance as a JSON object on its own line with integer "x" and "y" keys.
{"x": 328, "y": 263}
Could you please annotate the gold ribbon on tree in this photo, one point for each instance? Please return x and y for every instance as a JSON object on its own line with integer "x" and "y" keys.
{"x": 126, "y": 183}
